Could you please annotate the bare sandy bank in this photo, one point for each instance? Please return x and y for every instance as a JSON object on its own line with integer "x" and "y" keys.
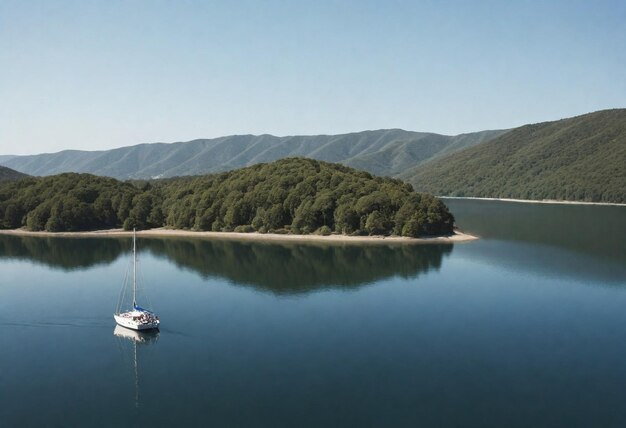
{"x": 338, "y": 239}
{"x": 532, "y": 201}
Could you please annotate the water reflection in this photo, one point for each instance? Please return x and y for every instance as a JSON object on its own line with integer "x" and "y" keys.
{"x": 592, "y": 230}
{"x": 148, "y": 337}
{"x": 583, "y": 242}
{"x": 297, "y": 268}
{"x": 131, "y": 356}
{"x": 275, "y": 267}
{"x": 63, "y": 253}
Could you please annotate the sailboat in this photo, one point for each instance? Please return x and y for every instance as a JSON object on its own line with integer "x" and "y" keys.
{"x": 137, "y": 318}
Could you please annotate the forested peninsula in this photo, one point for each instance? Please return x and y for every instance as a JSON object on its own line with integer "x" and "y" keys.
{"x": 289, "y": 196}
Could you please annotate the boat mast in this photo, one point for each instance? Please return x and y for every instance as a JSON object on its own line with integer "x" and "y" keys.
{"x": 134, "y": 270}
{"x": 136, "y": 376}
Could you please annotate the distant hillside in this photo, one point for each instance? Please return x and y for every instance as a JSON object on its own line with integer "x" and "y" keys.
{"x": 582, "y": 158}
{"x": 8, "y": 174}
{"x": 293, "y": 195}
{"x": 383, "y": 152}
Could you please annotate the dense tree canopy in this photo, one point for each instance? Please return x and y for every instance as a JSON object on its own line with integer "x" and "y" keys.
{"x": 577, "y": 159}
{"x": 288, "y": 196}
{"x": 66, "y": 202}
{"x": 8, "y": 174}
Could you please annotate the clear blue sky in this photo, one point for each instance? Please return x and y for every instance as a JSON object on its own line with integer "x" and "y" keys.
{"x": 103, "y": 74}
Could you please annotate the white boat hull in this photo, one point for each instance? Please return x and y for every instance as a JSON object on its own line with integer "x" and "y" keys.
{"x": 134, "y": 325}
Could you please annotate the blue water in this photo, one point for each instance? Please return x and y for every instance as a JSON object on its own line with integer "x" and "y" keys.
{"x": 525, "y": 327}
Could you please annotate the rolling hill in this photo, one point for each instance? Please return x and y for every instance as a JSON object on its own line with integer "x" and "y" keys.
{"x": 294, "y": 195}
{"x": 8, "y": 174}
{"x": 581, "y": 159}
{"x": 382, "y": 152}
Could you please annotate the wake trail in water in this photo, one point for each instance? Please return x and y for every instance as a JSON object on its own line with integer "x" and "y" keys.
{"x": 74, "y": 324}
{"x": 174, "y": 332}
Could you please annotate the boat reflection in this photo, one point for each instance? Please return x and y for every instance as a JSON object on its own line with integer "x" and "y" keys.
{"x": 150, "y": 336}
{"x": 137, "y": 339}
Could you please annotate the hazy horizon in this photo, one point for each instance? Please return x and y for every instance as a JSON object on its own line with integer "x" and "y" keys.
{"x": 104, "y": 75}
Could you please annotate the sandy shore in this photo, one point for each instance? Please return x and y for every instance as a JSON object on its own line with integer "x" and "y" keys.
{"x": 340, "y": 239}
{"x": 532, "y": 201}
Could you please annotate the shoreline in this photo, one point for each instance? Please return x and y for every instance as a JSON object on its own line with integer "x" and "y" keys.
{"x": 457, "y": 237}
{"x": 533, "y": 201}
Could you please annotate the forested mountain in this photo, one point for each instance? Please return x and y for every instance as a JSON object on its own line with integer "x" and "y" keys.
{"x": 293, "y": 195}
{"x": 581, "y": 158}
{"x": 8, "y": 174}
{"x": 4, "y": 158}
{"x": 382, "y": 152}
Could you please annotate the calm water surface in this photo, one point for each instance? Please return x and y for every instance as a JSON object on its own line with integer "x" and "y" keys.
{"x": 525, "y": 327}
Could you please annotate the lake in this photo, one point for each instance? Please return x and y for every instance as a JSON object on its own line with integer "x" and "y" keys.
{"x": 525, "y": 327}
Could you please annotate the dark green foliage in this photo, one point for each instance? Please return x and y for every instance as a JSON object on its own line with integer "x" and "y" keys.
{"x": 578, "y": 159}
{"x": 288, "y": 196}
{"x": 67, "y": 202}
{"x": 13, "y": 215}
{"x": 302, "y": 196}
{"x": 146, "y": 212}
{"x": 324, "y": 231}
{"x": 8, "y": 174}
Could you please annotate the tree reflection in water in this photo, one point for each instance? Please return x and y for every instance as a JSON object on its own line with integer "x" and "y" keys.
{"x": 63, "y": 253}
{"x": 281, "y": 268}
{"x": 296, "y": 268}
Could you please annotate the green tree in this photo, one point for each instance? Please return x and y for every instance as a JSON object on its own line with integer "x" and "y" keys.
{"x": 346, "y": 219}
{"x": 375, "y": 224}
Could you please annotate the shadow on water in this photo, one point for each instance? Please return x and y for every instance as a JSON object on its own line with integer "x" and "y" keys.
{"x": 275, "y": 267}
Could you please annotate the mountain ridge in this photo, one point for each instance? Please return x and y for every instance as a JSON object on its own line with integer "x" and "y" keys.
{"x": 579, "y": 158}
{"x": 582, "y": 158}
{"x": 381, "y": 152}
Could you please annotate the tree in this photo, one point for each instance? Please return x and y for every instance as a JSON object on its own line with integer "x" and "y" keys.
{"x": 37, "y": 219}
{"x": 412, "y": 228}
{"x": 324, "y": 206}
{"x": 375, "y": 224}
{"x": 346, "y": 219}
{"x": 138, "y": 215}
{"x": 156, "y": 218}
{"x": 12, "y": 216}
{"x": 304, "y": 221}
{"x": 275, "y": 217}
